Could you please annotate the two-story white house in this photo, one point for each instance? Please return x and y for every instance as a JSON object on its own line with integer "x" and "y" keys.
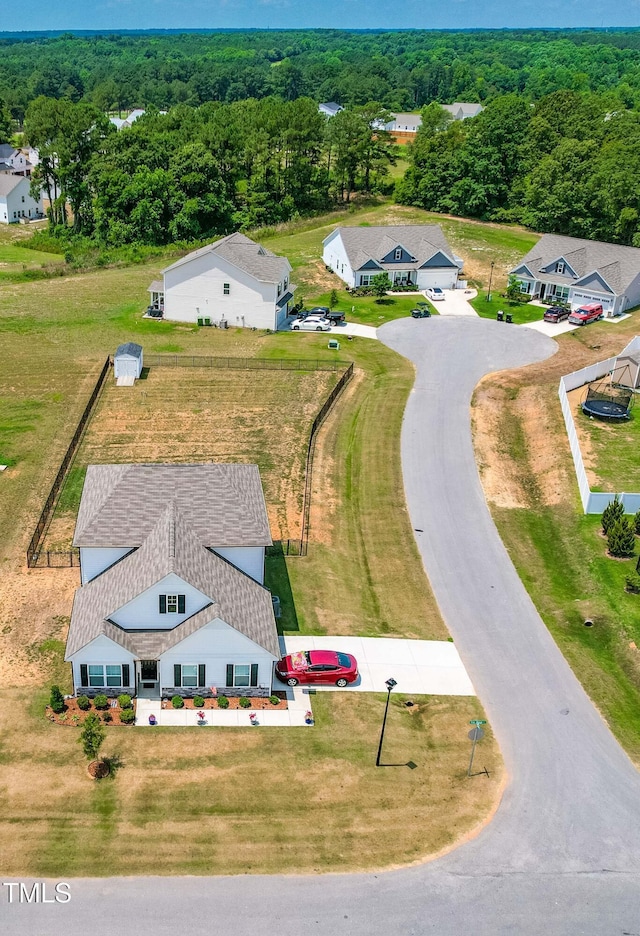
{"x": 233, "y": 282}
{"x": 579, "y": 272}
{"x": 14, "y": 161}
{"x": 16, "y": 201}
{"x": 416, "y": 255}
{"x": 172, "y": 599}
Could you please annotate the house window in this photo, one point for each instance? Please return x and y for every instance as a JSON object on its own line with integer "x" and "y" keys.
{"x": 189, "y": 675}
{"x": 226, "y": 288}
{"x": 398, "y": 252}
{"x": 365, "y": 279}
{"x": 23, "y": 198}
{"x": 171, "y": 604}
{"x": 100, "y": 676}
{"x": 242, "y": 675}
{"x": 560, "y": 266}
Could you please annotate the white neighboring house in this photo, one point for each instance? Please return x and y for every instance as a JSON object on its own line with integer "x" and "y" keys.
{"x": 14, "y": 161}
{"x": 577, "y": 271}
{"x": 15, "y": 200}
{"x": 233, "y": 281}
{"x": 172, "y": 566}
{"x": 411, "y": 255}
{"x": 330, "y": 108}
{"x": 462, "y": 110}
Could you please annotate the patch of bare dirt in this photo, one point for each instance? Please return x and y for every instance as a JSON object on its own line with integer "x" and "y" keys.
{"x": 500, "y": 484}
{"x": 536, "y": 413}
{"x": 318, "y": 279}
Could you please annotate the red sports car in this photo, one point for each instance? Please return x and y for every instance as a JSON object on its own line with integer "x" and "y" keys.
{"x": 317, "y": 666}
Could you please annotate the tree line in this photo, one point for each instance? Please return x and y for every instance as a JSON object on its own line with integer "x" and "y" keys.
{"x": 401, "y": 70}
{"x": 196, "y": 172}
{"x": 567, "y": 163}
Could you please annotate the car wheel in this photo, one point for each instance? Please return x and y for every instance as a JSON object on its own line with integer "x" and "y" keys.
{"x": 292, "y": 681}
{"x": 296, "y": 328}
{"x": 319, "y": 328}
{"x": 342, "y": 682}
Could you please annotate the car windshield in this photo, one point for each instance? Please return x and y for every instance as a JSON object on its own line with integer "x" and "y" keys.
{"x": 344, "y": 660}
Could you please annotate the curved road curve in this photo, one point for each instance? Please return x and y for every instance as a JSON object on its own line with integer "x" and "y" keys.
{"x": 562, "y": 855}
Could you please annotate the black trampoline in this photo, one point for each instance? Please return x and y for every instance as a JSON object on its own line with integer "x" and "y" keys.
{"x": 606, "y": 401}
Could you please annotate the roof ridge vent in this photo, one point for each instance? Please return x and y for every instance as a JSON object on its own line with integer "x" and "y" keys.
{"x": 172, "y": 531}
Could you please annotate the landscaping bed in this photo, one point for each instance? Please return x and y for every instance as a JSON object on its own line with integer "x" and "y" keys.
{"x": 259, "y": 703}
{"x": 74, "y": 716}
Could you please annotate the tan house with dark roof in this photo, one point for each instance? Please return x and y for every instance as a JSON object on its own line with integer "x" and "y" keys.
{"x": 172, "y": 599}
{"x": 579, "y": 272}
{"x": 232, "y": 282}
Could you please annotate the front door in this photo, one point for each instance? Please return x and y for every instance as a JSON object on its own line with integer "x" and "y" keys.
{"x": 148, "y": 677}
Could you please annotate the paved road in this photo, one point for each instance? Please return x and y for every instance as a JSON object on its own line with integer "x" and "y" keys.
{"x": 562, "y": 855}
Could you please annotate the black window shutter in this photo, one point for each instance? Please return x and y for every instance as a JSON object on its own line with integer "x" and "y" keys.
{"x": 125, "y": 674}
{"x": 163, "y": 604}
{"x": 254, "y": 674}
{"x": 84, "y": 674}
{"x": 201, "y": 674}
{"x": 177, "y": 674}
{"x": 180, "y": 604}
{"x": 229, "y": 674}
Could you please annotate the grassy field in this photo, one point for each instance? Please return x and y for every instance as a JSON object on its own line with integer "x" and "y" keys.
{"x": 610, "y": 450}
{"x": 529, "y": 480}
{"x": 522, "y": 313}
{"x": 201, "y": 414}
{"x": 362, "y": 575}
{"x": 16, "y": 259}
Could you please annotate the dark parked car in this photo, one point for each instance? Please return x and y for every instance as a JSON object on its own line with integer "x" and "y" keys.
{"x": 317, "y": 666}
{"x": 556, "y": 314}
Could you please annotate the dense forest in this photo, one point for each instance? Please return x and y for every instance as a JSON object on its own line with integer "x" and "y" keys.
{"x": 242, "y": 143}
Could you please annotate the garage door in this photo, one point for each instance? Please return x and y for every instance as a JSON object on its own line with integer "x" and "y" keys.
{"x": 126, "y": 367}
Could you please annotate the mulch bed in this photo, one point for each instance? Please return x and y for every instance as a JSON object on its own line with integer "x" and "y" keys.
{"x": 73, "y": 716}
{"x": 234, "y": 703}
{"x": 97, "y": 770}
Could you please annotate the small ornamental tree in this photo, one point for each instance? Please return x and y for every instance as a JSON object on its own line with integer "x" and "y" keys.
{"x": 380, "y": 283}
{"x": 513, "y": 291}
{"x": 57, "y": 700}
{"x": 636, "y": 523}
{"x": 333, "y": 299}
{"x": 92, "y": 736}
{"x": 621, "y": 539}
{"x": 612, "y": 512}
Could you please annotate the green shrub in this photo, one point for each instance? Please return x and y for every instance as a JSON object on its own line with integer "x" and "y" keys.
{"x": 127, "y": 716}
{"x": 107, "y": 717}
{"x": 636, "y": 522}
{"x": 177, "y": 701}
{"x": 621, "y": 539}
{"x": 244, "y": 702}
{"x": 75, "y": 719}
{"x": 56, "y": 700}
{"x": 274, "y": 699}
{"x": 84, "y": 703}
{"x": 101, "y": 701}
{"x": 223, "y": 702}
{"x": 124, "y": 701}
{"x": 612, "y": 512}
{"x": 632, "y": 583}
{"x": 198, "y": 701}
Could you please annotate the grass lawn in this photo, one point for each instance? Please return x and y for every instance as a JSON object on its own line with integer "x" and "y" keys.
{"x": 371, "y": 311}
{"x": 611, "y": 449}
{"x": 291, "y": 800}
{"x": 529, "y": 480}
{"x": 521, "y": 312}
{"x": 362, "y": 575}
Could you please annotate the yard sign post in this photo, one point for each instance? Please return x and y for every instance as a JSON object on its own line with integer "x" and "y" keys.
{"x": 475, "y": 734}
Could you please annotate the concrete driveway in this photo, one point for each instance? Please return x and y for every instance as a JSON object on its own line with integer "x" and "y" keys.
{"x": 426, "y": 667}
{"x": 345, "y": 329}
{"x": 456, "y": 302}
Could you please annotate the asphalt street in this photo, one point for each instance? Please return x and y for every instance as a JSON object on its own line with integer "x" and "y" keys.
{"x": 562, "y": 854}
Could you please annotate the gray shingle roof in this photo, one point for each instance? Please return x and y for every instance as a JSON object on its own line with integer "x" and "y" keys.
{"x": 9, "y": 182}
{"x": 129, "y": 347}
{"x": 373, "y": 243}
{"x": 171, "y": 546}
{"x": 245, "y": 254}
{"x": 223, "y": 504}
{"x": 617, "y": 265}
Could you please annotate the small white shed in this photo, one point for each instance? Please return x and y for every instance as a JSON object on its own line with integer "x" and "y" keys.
{"x": 127, "y": 361}
{"x": 626, "y": 372}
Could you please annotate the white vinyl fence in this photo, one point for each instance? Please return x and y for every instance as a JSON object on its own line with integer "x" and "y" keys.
{"x": 592, "y": 501}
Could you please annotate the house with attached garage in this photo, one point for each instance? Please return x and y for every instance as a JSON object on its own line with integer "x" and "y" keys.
{"x": 416, "y": 255}
{"x": 579, "y": 272}
{"x": 232, "y": 282}
{"x": 172, "y": 600}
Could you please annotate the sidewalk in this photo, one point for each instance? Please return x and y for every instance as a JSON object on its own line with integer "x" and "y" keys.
{"x": 293, "y": 717}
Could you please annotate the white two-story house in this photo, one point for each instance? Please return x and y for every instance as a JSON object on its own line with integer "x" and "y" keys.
{"x": 172, "y": 599}
{"x": 415, "y": 255}
{"x": 232, "y": 282}
{"x": 16, "y": 201}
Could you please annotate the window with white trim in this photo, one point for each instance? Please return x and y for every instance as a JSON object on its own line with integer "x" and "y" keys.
{"x": 398, "y": 251}
{"x": 365, "y": 279}
{"x": 172, "y": 604}
{"x": 560, "y": 266}
{"x": 189, "y": 677}
{"x": 241, "y": 674}
{"x": 226, "y": 288}
{"x": 104, "y": 675}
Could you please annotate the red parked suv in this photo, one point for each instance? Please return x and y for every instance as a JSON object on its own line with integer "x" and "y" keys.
{"x": 586, "y": 314}
{"x": 317, "y": 666}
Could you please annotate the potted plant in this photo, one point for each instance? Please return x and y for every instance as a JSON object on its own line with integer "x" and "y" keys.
{"x": 201, "y": 719}
{"x": 253, "y": 718}
{"x": 308, "y": 717}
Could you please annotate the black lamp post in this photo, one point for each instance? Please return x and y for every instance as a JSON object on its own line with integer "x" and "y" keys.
{"x": 390, "y": 683}
{"x": 490, "y": 279}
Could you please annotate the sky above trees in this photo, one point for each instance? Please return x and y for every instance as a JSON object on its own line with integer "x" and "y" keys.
{"x": 336, "y": 14}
